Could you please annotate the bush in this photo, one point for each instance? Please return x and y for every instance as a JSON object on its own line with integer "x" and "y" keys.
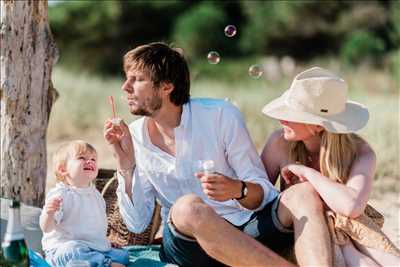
{"x": 360, "y": 46}
{"x": 200, "y": 30}
{"x": 94, "y": 35}
{"x": 395, "y": 23}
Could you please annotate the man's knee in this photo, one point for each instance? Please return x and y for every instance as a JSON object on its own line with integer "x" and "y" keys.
{"x": 302, "y": 198}
{"x": 189, "y": 212}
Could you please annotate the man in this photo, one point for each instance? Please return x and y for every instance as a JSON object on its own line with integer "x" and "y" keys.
{"x": 230, "y": 216}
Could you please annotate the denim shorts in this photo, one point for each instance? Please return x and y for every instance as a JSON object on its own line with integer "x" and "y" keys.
{"x": 73, "y": 250}
{"x": 263, "y": 225}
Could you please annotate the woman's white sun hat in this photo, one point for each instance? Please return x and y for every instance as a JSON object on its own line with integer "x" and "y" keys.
{"x": 317, "y": 96}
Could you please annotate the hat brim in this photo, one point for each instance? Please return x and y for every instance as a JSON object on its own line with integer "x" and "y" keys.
{"x": 353, "y": 118}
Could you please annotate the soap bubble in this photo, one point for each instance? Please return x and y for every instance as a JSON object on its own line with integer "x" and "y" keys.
{"x": 255, "y": 71}
{"x": 213, "y": 57}
{"x": 230, "y": 30}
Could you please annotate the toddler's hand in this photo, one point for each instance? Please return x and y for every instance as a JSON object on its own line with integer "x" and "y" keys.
{"x": 53, "y": 206}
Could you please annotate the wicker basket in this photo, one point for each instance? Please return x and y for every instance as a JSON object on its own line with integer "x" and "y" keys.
{"x": 117, "y": 232}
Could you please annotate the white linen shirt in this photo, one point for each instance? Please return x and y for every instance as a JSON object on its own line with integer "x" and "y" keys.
{"x": 82, "y": 218}
{"x": 210, "y": 129}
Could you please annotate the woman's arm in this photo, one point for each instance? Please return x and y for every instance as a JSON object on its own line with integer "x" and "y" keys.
{"x": 273, "y": 155}
{"x": 349, "y": 199}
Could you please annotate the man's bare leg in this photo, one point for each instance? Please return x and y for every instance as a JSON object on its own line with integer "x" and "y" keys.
{"x": 301, "y": 207}
{"x": 192, "y": 217}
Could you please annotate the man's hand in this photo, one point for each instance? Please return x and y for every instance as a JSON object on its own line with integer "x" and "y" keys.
{"x": 219, "y": 187}
{"x": 52, "y": 206}
{"x": 120, "y": 142}
{"x": 294, "y": 173}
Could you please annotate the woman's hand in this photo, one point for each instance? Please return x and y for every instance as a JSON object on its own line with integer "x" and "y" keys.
{"x": 294, "y": 173}
{"x": 119, "y": 139}
{"x": 219, "y": 187}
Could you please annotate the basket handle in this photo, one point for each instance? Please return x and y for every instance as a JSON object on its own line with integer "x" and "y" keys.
{"x": 107, "y": 185}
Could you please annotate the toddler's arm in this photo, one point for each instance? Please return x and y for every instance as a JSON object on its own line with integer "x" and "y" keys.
{"x": 47, "y": 221}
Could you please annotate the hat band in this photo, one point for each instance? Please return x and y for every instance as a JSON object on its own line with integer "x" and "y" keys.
{"x": 295, "y": 105}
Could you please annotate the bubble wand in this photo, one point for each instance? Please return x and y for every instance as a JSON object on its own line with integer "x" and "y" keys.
{"x": 114, "y": 120}
{"x": 112, "y": 103}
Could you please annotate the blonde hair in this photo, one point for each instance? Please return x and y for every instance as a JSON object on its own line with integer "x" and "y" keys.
{"x": 67, "y": 150}
{"x": 337, "y": 153}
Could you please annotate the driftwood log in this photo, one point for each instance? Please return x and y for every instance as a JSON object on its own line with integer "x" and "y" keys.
{"x": 28, "y": 52}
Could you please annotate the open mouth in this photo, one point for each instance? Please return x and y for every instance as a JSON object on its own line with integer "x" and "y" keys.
{"x": 88, "y": 168}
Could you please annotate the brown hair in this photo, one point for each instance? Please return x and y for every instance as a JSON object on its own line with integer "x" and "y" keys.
{"x": 164, "y": 64}
{"x": 337, "y": 153}
{"x": 67, "y": 150}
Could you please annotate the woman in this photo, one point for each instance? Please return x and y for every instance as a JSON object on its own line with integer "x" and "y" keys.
{"x": 318, "y": 145}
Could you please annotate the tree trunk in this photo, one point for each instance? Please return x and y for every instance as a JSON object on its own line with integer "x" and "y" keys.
{"x": 27, "y": 52}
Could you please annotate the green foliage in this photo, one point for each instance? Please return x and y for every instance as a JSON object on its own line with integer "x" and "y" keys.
{"x": 360, "y": 46}
{"x": 395, "y": 23}
{"x": 94, "y": 35}
{"x": 264, "y": 21}
{"x": 200, "y": 30}
{"x": 290, "y": 27}
{"x": 83, "y": 31}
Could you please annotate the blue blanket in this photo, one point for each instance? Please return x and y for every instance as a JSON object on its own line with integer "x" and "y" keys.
{"x": 139, "y": 256}
{"x": 146, "y": 256}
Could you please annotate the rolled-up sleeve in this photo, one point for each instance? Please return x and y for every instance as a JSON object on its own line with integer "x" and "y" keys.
{"x": 138, "y": 211}
{"x": 242, "y": 154}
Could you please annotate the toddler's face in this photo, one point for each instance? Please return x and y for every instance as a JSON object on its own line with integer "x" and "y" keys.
{"x": 82, "y": 169}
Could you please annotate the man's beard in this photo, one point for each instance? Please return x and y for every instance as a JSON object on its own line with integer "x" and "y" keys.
{"x": 150, "y": 106}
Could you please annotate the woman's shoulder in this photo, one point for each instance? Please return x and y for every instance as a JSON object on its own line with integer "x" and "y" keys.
{"x": 277, "y": 146}
{"x": 364, "y": 150}
{"x": 277, "y": 142}
{"x": 365, "y": 160}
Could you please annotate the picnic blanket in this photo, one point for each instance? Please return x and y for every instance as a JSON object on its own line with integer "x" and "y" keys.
{"x": 145, "y": 256}
{"x": 139, "y": 256}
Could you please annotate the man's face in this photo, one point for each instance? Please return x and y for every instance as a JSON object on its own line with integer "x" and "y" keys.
{"x": 143, "y": 97}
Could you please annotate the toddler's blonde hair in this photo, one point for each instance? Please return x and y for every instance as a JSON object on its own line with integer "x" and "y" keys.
{"x": 68, "y": 150}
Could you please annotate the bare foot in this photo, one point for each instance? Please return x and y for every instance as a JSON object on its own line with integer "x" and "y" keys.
{"x": 114, "y": 264}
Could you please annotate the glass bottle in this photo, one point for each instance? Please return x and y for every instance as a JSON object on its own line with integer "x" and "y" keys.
{"x": 208, "y": 167}
{"x": 15, "y": 250}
